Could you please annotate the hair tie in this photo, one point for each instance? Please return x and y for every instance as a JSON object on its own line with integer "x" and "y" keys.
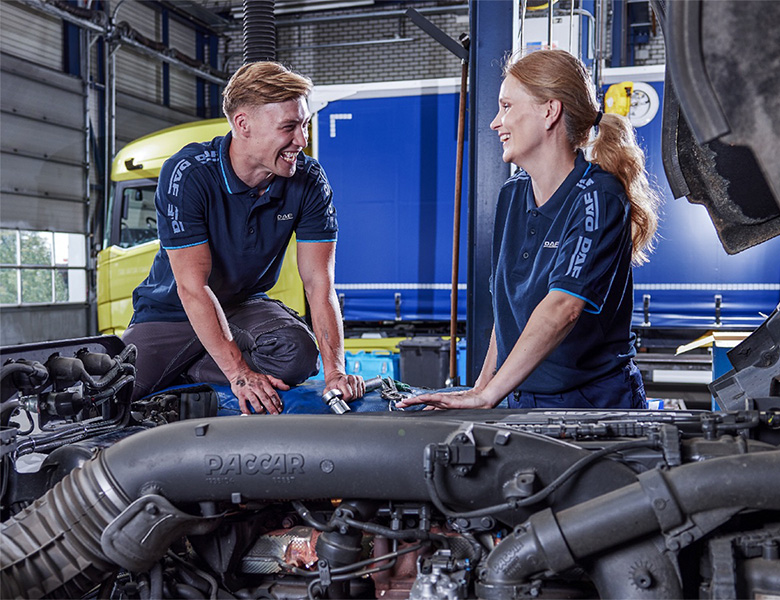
{"x": 598, "y": 118}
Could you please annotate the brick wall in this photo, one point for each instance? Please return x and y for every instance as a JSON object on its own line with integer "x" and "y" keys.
{"x": 379, "y": 48}
{"x": 365, "y": 50}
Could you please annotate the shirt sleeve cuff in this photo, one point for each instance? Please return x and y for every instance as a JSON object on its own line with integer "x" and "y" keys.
{"x": 590, "y": 306}
{"x": 178, "y": 245}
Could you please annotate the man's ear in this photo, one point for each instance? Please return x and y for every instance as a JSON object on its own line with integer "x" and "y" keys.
{"x": 240, "y": 124}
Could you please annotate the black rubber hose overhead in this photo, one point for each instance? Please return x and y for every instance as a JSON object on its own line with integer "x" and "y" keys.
{"x": 259, "y": 30}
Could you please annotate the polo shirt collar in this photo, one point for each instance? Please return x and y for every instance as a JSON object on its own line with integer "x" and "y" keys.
{"x": 550, "y": 208}
{"x": 230, "y": 180}
{"x": 233, "y": 184}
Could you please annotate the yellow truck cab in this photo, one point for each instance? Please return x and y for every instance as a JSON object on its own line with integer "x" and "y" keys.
{"x": 130, "y": 241}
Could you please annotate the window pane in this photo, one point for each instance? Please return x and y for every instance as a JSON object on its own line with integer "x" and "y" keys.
{"x": 61, "y": 285}
{"x": 70, "y": 285}
{"x": 139, "y": 219}
{"x": 36, "y": 248}
{"x": 8, "y": 286}
{"x": 7, "y": 247}
{"x": 70, "y": 249}
{"x": 36, "y": 285}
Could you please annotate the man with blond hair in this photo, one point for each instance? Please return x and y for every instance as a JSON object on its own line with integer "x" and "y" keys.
{"x": 226, "y": 211}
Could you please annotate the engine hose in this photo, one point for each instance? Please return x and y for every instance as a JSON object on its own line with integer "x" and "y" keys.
{"x": 73, "y": 433}
{"x": 233, "y": 460}
{"x": 36, "y": 370}
{"x": 660, "y": 500}
{"x": 56, "y": 540}
{"x": 308, "y": 518}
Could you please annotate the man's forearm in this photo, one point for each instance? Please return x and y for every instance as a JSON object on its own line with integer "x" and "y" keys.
{"x": 328, "y": 330}
{"x": 211, "y": 326}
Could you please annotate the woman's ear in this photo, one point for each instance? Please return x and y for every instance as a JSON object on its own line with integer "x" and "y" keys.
{"x": 553, "y": 112}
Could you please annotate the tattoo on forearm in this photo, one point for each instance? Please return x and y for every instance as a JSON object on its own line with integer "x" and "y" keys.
{"x": 240, "y": 383}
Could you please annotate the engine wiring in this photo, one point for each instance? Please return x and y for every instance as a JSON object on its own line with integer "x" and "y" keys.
{"x": 515, "y": 503}
{"x": 344, "y": 574}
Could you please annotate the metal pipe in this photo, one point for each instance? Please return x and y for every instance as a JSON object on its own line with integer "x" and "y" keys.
{"x": 93, "y": 228}
{"x": 549, "y": 23}
{"x": 571, "y": 30}
{"x": 163, "y": 57}
{"x": 601, "y": 36}
{"x": 523, "y": 6}
{"x": 371, "y": 15}
{"x": 108, "y": 107}
{"x": 346, "y": 44}
{"x": 453, "y": 380}
{"x": 54, "y": 11}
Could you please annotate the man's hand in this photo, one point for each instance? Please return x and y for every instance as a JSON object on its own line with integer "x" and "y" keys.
{"x": 259, "y": 391}
{"x": 464, "y": 399}
{"x": 352, "y": 386}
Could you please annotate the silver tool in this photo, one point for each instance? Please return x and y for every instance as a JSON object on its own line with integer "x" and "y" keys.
{"x": 335, "y": 400}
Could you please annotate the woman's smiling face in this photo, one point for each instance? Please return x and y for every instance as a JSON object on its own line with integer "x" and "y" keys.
{"x": 520, "y": 122}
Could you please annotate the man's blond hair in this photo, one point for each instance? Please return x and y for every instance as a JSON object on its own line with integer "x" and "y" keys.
{"x": 264, "y": 82}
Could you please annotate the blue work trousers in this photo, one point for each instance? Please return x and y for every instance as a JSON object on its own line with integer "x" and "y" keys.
{"x": 623, "y": 388}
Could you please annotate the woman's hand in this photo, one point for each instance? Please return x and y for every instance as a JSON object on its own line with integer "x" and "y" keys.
{"x": 472, "y": 398}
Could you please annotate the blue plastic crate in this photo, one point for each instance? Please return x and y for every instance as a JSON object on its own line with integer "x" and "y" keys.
{"x": 377, "y": 363}
{"x": 368, "y": 364}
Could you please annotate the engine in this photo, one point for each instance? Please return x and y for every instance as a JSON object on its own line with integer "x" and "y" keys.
{"x": 105, "y": 498}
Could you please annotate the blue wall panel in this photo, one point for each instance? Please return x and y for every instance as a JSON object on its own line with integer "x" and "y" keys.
{"x": 392, "y": 167}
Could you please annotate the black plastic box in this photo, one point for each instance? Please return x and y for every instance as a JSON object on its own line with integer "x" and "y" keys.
{"x": 425, "y": 362}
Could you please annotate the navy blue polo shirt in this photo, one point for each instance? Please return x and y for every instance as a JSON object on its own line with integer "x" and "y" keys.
{"x": 578, "y": 242}
{"x": 200, "y": 200}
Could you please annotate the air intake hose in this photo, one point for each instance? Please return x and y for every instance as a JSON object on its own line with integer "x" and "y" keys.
{"x": 56, "y": 540}
{"x": 660, "y": 501}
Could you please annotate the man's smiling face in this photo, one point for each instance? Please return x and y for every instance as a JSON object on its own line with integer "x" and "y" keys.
{"x": 277, "y": 133}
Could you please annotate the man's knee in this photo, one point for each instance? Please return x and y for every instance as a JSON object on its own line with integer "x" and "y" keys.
{"x": 288, "y": 353}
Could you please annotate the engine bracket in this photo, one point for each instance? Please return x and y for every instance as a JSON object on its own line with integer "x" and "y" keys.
{"x": 142, "y": 533}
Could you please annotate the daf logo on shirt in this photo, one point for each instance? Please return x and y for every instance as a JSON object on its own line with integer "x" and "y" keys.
{"x": 285, "y": 217}
{"x": 591, "y": 212}
{"x": 548, "y": 244}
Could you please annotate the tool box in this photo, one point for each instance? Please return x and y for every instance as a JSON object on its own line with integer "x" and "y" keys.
{"x": 425, "y": 361}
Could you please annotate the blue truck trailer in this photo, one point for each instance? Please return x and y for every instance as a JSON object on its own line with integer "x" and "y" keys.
{"x": 389, "y": 151}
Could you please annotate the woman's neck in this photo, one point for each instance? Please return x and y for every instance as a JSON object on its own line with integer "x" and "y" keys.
{"x": 549, "y": 171}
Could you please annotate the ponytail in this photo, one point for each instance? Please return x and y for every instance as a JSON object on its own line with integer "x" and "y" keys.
{"x": 616, "y": 151}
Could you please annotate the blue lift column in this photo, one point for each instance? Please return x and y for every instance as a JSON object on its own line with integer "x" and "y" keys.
{"x": 491, "y": 40}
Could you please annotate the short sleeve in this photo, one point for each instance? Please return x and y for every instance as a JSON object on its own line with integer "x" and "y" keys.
{"x": 318, "y": 221}
{"x": 181, "y": 204}
{"x": 596, "y": 238}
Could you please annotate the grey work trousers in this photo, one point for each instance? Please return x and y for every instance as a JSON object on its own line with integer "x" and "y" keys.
{"x": 273, "y": 339}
